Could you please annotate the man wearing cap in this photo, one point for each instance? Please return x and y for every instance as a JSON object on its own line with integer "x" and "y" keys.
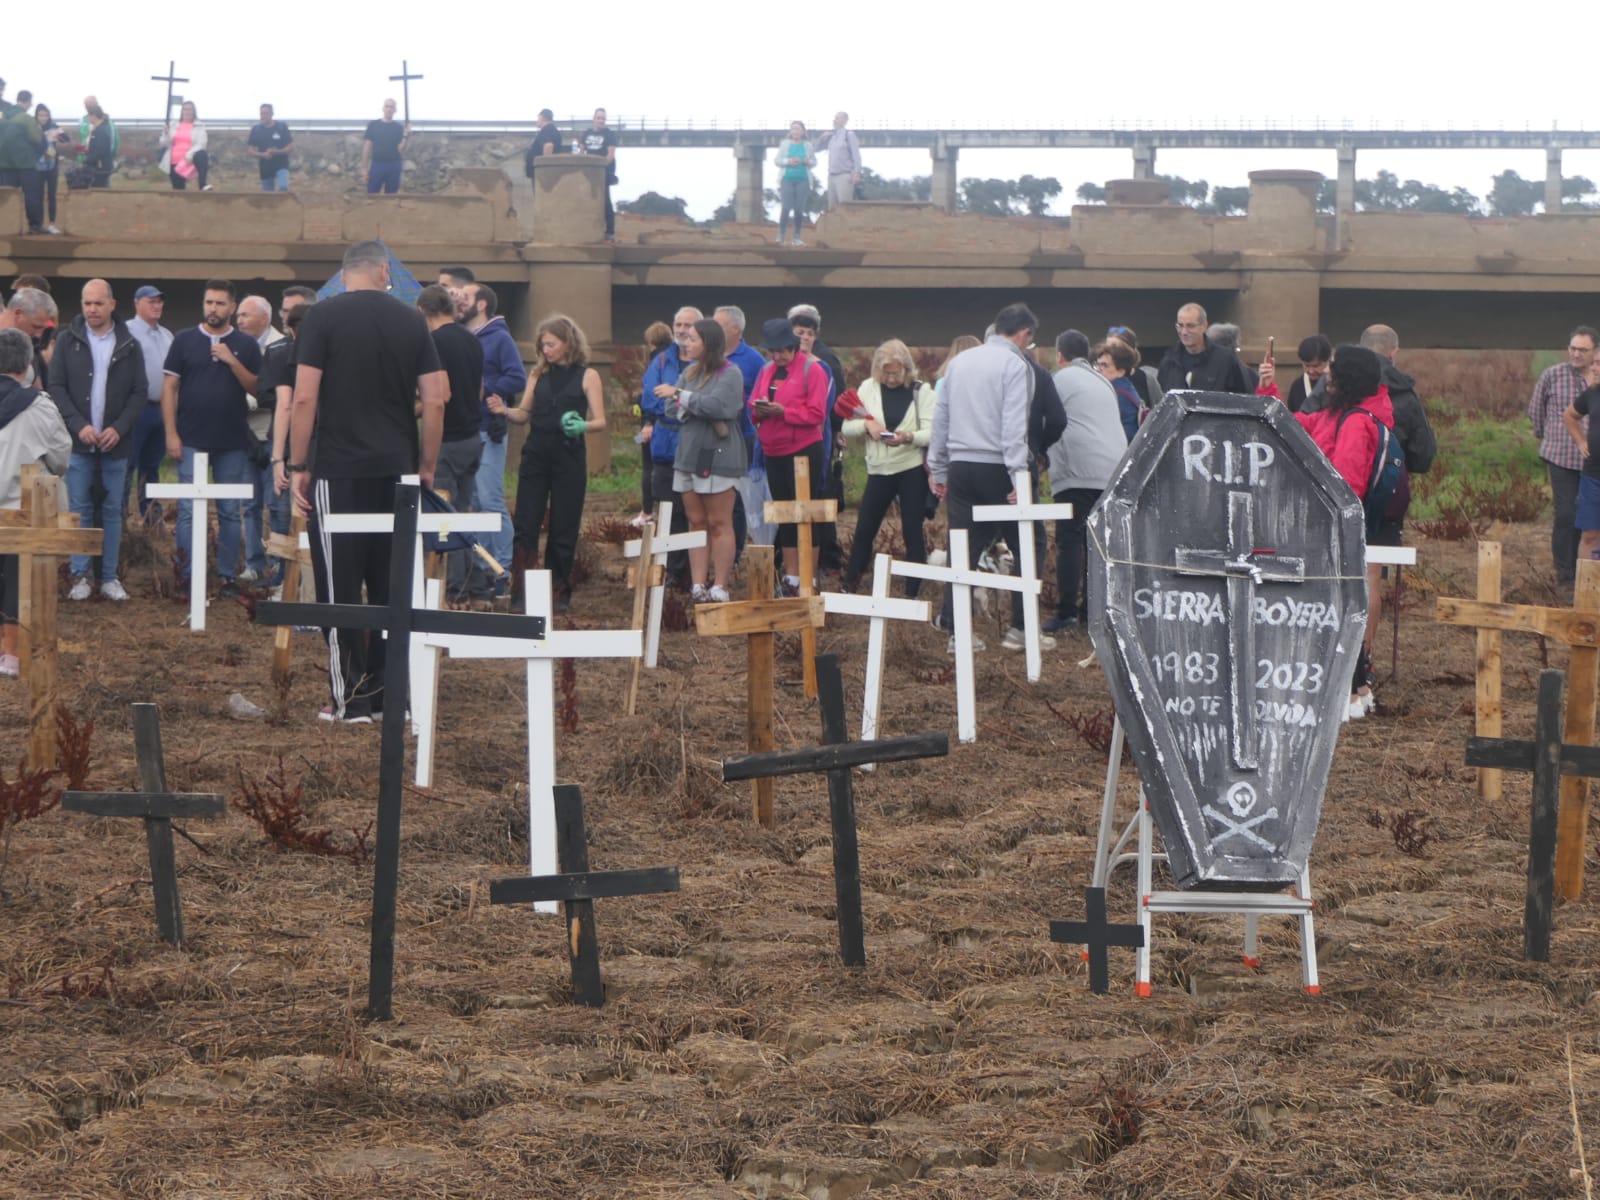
{"x": 147, "y": 444}
{"x": 546, "y": 141}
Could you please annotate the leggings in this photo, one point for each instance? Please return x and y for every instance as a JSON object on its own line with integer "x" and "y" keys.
{"x": 792, "y": 197}
{"x": 202, "y": 164}
{"x": 780, "y": 478}
{"x": 910, "y": 488}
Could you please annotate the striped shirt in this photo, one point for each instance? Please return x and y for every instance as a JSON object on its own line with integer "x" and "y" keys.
{"x": 1557, "y": 388}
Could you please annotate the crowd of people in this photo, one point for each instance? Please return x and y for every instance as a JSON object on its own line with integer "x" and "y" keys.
{"x": 387, "y": 389}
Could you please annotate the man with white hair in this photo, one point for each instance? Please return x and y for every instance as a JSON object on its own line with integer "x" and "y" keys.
{"x": 749, "y": 516}
{"x": 33, "y": 312}
{"x": 254, "y": 319}
{"x": 665, "y": 368}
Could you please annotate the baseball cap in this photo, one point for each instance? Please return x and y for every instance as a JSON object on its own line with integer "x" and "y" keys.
{"x": 148, "y": 293}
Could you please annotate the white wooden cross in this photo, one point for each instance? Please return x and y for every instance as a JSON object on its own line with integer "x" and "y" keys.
{"x": 1025, "y": 512}
{"x": 541, "y": 657}
{"x": 878, "y": 608}
{"x": 662, "y": 543}
{"x": 197, "y": 493}
{"x": 958, "y": 576}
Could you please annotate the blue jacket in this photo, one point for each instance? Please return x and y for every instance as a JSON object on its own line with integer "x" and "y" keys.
{"x": 664, "y": 368}
{"x": 749, "y": 361}
{"x": 503, "y": 372}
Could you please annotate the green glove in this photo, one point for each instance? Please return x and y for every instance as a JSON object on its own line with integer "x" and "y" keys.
{"x": 573, "y": 424}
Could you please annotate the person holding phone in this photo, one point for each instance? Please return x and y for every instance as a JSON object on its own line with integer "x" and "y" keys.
{"x": 788, "y": 404}
{"x": 893, "y": 411}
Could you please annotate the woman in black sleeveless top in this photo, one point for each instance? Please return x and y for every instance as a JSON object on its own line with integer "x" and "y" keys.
{"x": 562, "y": 402}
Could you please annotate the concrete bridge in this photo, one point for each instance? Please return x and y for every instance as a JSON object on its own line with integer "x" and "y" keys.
{"x": 876, "y": 270}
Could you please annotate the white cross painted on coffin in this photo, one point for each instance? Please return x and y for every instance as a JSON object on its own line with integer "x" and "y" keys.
{"x": 661, "y": 544}
{"x": 541, "y": 656}
{"x": 198, "y": 493}
{"x": 878, "y": 608}
{"x": 1025, "y": 512}
{"x": 958, "y": 576}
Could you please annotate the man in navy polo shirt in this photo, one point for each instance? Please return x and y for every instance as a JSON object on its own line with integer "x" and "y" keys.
{"x": 209, "y": 372}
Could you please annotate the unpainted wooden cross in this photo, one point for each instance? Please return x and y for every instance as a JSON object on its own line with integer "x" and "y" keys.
{"x": 652, "y": 580}
{"x": 294, "y": 548}
{"x": 40, "y": 535}
{"x": 1579, "y": 628}
{"x": 760, "y": 619}
{"x": 579, "y": 888}
{"x": 157, "y": 807}
{"x": 803, "y": 512}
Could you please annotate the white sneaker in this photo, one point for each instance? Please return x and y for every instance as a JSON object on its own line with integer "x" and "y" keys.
{"x": 81, "y": 588}
{"x": 10, "y": 666}
{"x": 698, "y": 594}
{"x": 718, "y": 595}
{"x": 1357, "y": 709}
{"x": 248, "y": 575}
{"x": 112, "y": 589}
{"x": 1016, "y": 639}
{"x": 977, "y": 644}
{"x": 52, "y": 229}
{"x": 798, "y": 242}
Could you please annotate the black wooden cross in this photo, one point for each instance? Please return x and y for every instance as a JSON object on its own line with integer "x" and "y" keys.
{"x": 404, "y": 80}
{"x": 1097, "y": 934}
{"x": 580, "y": 887}
{"x": 1548, "y": 758}
{"x": 1243, "y": 566}
{"x": 157, "y": 806}
{"x": 170, "y": 78}
{"x": 397, "y": 621}
{"x": 836, "y": 756}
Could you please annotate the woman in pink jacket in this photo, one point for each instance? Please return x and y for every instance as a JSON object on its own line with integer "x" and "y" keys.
{"x": 789, "y": 407}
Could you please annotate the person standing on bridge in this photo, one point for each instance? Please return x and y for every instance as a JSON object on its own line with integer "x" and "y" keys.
{"x": 269, "y": 144}
{"x": 1555, "y": 392}
{"x": 546, "y": 141}
{"x": 1194, "y": 364}
{"x": 844, "y": 160}
{"x": 383, "y": 151}
{"x": 794, "y": 185}
{"x": 598, "y": 139}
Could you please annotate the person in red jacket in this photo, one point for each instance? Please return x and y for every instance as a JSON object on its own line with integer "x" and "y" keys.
{"x": 787, "y": 405}
{"x": 1350, "y": 440}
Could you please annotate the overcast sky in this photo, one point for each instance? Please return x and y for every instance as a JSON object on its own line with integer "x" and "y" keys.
{"x": 1179, "y": 65}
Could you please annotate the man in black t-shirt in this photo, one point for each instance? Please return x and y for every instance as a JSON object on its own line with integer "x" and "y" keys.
{"x": 461, "y": 355}
{"x": 269, "y": 144}
{"x": 546, "y": 141}
{"x": 597, "y": 139}
{"x": 1588, "y": 514}
{"x": 364, "y": 359}
{"x": 382, "y": 149}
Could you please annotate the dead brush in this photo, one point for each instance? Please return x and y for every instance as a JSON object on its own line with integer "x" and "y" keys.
{"x": 585, "y": 561}
{"x": 278, "y": 808}
{"x": 569, "y": 695}
{"x": 1094, "y": 728}
{"x": 1408, "y": 828}
{"x": 609, "y": 531}
{"x": 675, "y": 614}
{"x": 72, "y": 747}
{"x": 26, "y": 798}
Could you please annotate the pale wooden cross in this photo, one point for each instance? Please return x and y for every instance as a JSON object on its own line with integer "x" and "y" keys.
{"x": 198, "y": 493}
{"x": 879, "y": 608}
{"x": 541, "y": 655}
{"x": 759, "y": 619}
{"x": 1024, "y": 513}
{"x": 957, "y": 575}
{"x": 294, "y": 548}
{"x": 662, "y": 543}
{"x": 802, "y": 512}
{"x": 40, "y": 535}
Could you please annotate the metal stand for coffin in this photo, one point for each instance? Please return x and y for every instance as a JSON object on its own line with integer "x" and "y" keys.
{"x": 1252, "y": 905}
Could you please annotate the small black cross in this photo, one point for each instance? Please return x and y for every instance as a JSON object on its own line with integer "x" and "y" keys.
{"x": 170, "y": 78}
{"x": 579, "y": 888}
{"x": 404, "y": 80}
{"x": 1548, "y": 758}
{"x": 836, "y": 756}
{"x": 398, "y": 621}
{"x": 157, "y": 806}
{"x": 1097, "y": 934}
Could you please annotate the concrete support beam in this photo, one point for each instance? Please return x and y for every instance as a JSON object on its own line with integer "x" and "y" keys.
{"x": 1552, "y": 179}
{"x": 569, "y": 201}
{"x": 1282, "y": 217}
{"x": 749, "y": 200}
{"x": 1285, "y": 304}
{"x": 1144, "y": 160}
{"x": 946, "y": 189}
{"x": 1345, "y": 196}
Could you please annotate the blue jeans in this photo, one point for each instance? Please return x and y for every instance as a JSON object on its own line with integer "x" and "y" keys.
{"x": 227, "y": 466}
{"x": 278, "y": 181}
{"x": 263, "y": 502}
{"x": 106, "y": 514}
{"x": 384, "y": 177}
{"x": 490, "y": 487}
{"x": 148, "y": 447}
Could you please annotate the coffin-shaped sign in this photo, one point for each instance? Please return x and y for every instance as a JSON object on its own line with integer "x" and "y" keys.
{"x": 1227, "y": 590}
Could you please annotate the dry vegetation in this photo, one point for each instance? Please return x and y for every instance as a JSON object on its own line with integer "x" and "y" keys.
{"x": 736, "y": 1057}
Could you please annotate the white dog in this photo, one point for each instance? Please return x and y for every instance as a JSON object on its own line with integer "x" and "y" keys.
{"x": 996, "y": 560}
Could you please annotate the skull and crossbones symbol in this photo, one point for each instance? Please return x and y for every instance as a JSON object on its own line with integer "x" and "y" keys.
{"x": 1241, "y": 799}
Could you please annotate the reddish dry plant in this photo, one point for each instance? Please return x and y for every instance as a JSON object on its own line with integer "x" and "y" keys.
{"x": 675, "y": 616}
{"x": 609, "y": 531}
{"x": 569, "y": 696}
{"x": 1120, "y": 1115}
{"x": 89, "y": 986}
{"x": 25, "y": 798}
{"x": 1095, "y": 728}
{"x": 279, "y": 809}
{"x": 1409, "y": 829}
{"x": 72, "y": 747}
{"x": 584, "y": 563}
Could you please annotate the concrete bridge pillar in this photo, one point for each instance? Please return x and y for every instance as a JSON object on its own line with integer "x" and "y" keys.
{"x": 1144, "y": 160}
{"x": 1552, "y": 179}
{"x": 569, "y": 201}
{"x": 1344, "y": 196}
{"x": 749, "y": 199}
{"x": 945, "y": 187}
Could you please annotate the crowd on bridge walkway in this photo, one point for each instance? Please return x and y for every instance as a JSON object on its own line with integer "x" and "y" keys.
{"x": 320, "y": 406}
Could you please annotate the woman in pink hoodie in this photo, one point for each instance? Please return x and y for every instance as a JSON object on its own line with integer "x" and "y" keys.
{"x": 789, "y": 407}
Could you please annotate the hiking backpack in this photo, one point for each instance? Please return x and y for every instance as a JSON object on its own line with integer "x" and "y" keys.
{"x": 1389, "y": 484}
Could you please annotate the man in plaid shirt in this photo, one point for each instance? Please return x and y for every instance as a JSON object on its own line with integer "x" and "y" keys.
{"x": 1557, "y": 388}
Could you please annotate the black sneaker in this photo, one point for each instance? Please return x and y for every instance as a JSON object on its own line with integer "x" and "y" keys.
{"x": 229, "y": 590}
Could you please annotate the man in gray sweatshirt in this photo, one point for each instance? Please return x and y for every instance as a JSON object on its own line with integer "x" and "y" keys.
{"x": 1081, "y": 463}
{"x": 980, "y": 437}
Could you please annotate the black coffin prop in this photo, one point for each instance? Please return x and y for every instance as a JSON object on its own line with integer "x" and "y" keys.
{"x": 1227, "y": 589}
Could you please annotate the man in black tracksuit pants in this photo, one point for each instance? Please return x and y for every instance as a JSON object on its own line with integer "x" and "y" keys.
{"x": 363, "y": 359}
